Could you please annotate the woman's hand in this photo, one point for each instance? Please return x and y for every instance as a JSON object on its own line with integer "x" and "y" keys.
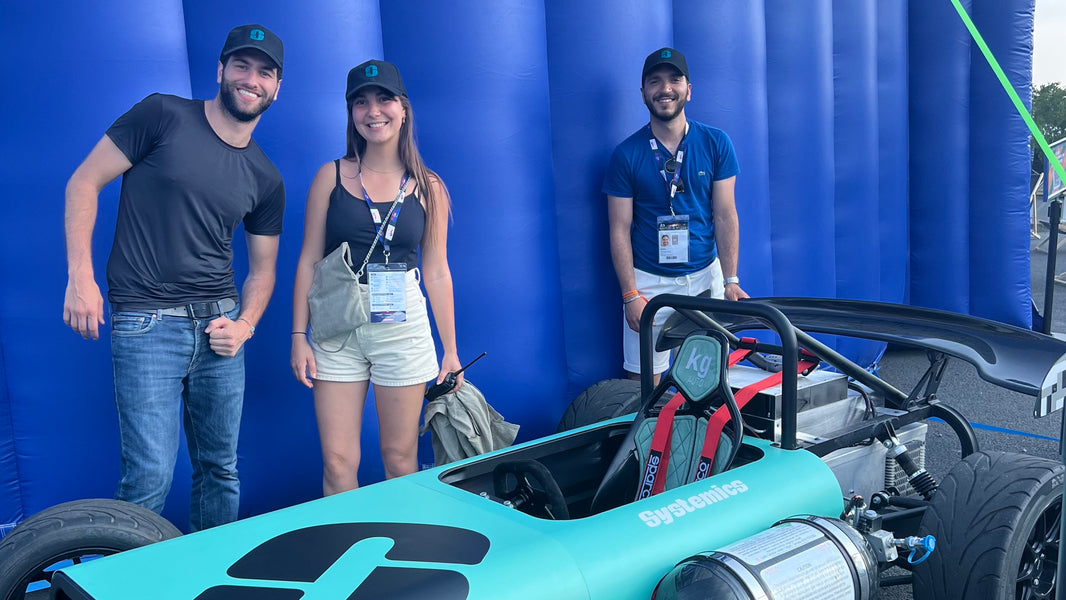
{"x": 450, "y": 364}
{"x": 303, "y": 360}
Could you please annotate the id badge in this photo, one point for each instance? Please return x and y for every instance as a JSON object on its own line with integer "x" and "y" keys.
{"x": 388, "y": 292}
{"x": 673, "y": 239}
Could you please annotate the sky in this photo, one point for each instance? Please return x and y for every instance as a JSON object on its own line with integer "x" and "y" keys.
{"x": 1049, "y": 42}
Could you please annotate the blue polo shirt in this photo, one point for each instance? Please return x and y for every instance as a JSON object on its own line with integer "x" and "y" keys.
{"x": 634, "y": 173}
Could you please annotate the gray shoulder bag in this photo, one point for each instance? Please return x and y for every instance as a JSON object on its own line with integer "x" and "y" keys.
{"x": 335, "y": 301}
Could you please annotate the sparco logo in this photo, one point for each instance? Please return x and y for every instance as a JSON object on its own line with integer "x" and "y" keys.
{"x": 702, "y": 468}
{"x": 649, "y": 475}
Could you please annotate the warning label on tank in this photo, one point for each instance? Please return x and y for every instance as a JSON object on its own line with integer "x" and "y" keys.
{"x": 773, "y": 543}
{"x": 817, "y": 573}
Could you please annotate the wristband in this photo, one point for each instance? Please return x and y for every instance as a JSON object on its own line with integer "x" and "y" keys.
{"x": 251, "y": 328}
{"x": 304, "y": 333}
{"x": 630, "y": 295}
{"x": 630, "y": 299}
{"x": 729, "y": 280}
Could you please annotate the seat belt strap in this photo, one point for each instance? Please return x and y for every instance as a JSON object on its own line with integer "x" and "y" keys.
{"x": 654, "y": 479}
{"x": 741, "y": 353}
{"x": 716, "y": 424}
{"x": 738, "y": 355}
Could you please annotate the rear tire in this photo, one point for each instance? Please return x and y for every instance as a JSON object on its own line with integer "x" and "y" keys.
{"x": 605, "y": 400}
{"x": 996, "y": 521}
{"x": 72, "y": 531}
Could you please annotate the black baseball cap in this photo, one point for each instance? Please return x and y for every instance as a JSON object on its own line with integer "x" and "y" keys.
{"x": 256, "y": 37}
{"x": 664, "y": 56}
{"x": 375, "y": 72}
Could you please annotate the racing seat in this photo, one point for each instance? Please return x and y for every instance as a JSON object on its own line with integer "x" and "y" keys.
{"x": 699, "y": 374}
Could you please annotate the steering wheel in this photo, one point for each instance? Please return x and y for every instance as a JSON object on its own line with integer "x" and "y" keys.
{"x": 530, "y": 487}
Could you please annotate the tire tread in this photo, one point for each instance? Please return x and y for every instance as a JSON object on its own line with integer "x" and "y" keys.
{"x": 604, "y": 400}
{"x": 66, "y": 528}
{"x": 974, "y": 516}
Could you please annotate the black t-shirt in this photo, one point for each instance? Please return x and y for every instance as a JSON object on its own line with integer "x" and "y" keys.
{"x": 348, "y": 220}
{"x": 180, "y": 203}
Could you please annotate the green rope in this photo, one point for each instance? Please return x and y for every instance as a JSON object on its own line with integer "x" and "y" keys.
{"x": 1010, "y": 91}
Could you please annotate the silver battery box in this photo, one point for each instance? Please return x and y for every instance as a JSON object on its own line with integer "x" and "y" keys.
{"x": 763, "y": 412}
{"x": 826, "y": 407}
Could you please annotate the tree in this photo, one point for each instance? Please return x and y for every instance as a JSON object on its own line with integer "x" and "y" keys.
{"x": 1049, "y": 114}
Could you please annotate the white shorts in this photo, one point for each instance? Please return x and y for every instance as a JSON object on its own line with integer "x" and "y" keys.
{"x": 388, "y": 354}
{"x": 650, "y": 286}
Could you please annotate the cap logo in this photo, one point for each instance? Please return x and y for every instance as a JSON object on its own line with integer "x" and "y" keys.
{"x": 257, "y": 35}
{"x": 371, "y": 71}
{"x": 666, "y": 54}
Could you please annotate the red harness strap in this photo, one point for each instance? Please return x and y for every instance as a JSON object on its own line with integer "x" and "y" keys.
{"x": 654, "y": 479}
{"x": 741, "y": 353}
{"x": 717, "y": 422}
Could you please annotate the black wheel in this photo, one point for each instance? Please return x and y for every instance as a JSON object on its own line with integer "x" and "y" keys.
{"x": 74, "y": 531}
{"x": 996, "y": 522}
{"x": 607, "y": 399}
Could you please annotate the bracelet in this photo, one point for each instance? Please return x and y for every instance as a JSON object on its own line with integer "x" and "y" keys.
{"x": 631, "y": 299}
{"x": 630, "y": 294}
{"x": 304, "y": 333}
{"x": 729, "y": 280}
{"x": 251, "y": 328}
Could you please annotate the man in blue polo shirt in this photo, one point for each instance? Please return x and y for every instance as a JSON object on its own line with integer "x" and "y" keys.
{"x": 670, "y": 205}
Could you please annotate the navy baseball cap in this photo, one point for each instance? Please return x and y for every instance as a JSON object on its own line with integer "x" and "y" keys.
{"x": 256, "y": 37}
{"x": 375, "y": 72}
{"x": 664, "y": 56}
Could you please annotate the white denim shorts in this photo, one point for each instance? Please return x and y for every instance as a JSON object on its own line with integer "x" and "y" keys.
{"x": 389, "y": 354}
{"x": 650, "y": 286}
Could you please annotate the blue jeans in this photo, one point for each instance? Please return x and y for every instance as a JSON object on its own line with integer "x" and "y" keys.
{"x": 166, "y": 373}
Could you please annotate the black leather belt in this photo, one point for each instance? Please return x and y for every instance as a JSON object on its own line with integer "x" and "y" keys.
{"x": 194, "y": 310}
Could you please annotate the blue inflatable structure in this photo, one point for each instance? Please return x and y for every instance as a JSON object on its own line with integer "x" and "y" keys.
{"x": 880, "y": 160}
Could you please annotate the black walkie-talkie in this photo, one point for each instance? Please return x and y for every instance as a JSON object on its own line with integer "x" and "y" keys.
{"x": 448, "y": 384}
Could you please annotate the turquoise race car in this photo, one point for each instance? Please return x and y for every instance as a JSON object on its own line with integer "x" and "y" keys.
{"x": 754, "y": 469}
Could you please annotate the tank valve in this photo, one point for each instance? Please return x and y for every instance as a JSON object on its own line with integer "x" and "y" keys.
{"x": 853, "y": 510}
{"x": 920, "y": 547}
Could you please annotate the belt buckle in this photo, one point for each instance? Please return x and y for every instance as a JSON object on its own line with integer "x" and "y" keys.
{"x": 204, "y": 310}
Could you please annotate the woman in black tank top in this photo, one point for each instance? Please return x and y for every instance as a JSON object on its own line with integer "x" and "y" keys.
{"x": 347, "y": 200}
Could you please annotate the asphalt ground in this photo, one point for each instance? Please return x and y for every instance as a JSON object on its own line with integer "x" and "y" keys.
{"x": 1002, "y": 420}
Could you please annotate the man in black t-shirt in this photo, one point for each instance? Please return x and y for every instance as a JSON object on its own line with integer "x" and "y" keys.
{"x": 190, "y": 174}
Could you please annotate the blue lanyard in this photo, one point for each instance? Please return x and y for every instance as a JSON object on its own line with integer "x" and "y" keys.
{"x": 679, "y": 159}
{"x": 394, "y": 212}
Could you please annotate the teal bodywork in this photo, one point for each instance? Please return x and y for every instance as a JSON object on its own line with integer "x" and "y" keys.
{"x": 615, "y": 555}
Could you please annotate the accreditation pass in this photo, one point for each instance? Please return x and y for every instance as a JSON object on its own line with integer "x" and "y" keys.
{"x": 672, "y": 239}
{"x": 388, "y": 286}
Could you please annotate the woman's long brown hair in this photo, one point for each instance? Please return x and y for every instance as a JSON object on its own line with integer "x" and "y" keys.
{"x": 411, "y": 159}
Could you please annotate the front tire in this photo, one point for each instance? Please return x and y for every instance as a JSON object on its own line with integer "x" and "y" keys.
{"x": 601, "y": 401}
{"x": 74, "y": 531}
{"x": 996, "y": 520}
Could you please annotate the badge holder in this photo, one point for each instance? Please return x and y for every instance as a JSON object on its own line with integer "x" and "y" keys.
{"x": 673, "y": 239}
{"x": 388, "y": 292}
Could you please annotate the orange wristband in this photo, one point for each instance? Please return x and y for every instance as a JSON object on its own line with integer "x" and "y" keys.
{"x": 630, "y": 294}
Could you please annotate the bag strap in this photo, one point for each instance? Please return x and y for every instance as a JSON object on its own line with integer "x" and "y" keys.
{"x": 377, "y": 236}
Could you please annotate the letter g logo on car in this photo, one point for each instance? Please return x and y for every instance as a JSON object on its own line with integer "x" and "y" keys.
{"x": 304, "y": 555}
